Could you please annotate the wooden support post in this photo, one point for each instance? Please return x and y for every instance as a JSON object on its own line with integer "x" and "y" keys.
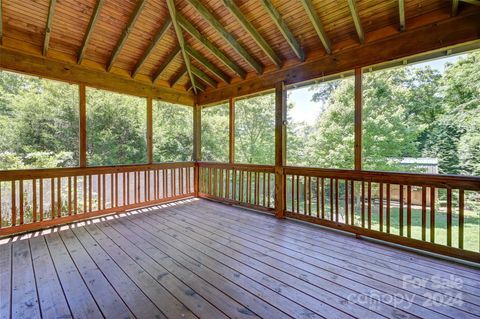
{"x": 149, "y": 130}
{"x": 197, "y": 144}
{"x": 231, "y": 129}
{"x": 280, "y": 148}
{"x": 83, "y": 126}
{"x": 358, "y": 118}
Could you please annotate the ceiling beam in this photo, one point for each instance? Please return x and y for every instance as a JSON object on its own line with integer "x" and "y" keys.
{"x": 317, "y": 24}
{"x": 208, "y": 16}
{"x": 207, "y": 64}
{"x": 204, "y": 77}
{"x": 91, "y": 26}
{"x": 189, "y": 86}
{"x": 158, "y": 37}
{"x": 235, "y": 10}
{"x": 282, "y": 26}
{"x": 177, "y": 76}
{"x": 125, "y": 33}
{"x": 356, "y": 20}
{"x": 181, "y": 40}
{"x": 51, "y": 68}
{"x": 187, "y": 26}
{"x": 435, "y": 36}
{"x": 199, "y": 86}
{"x": 166, "y": 63}
{"x": 401, "y": 12}
{"x": 48, "y": 27}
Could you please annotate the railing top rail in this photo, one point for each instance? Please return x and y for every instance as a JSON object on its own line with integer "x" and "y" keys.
{"x": 414, "y": 179}
{"x": 247, "y": 167}
{"x": 27, "y": 174}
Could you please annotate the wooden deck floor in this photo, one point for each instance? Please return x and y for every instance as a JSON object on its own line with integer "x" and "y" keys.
{"x": 202, "y": 259}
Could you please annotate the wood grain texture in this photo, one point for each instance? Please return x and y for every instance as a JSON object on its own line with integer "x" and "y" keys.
{"x": 200, "y": 259}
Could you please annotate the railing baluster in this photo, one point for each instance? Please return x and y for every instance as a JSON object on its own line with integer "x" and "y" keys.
{"x": 461, "y": 217}
{"x": 84, "y": 194}
{"x": 14, "y": 204}
{"x": 400, "y": 210}
{"x": 369, "y": 212}
{"x": 59, "y": 197}
{"x": 352, "y": 199}
{"x": 449, "y": 216}
{"x": 104, "y": 191}
{"x": 346, "y": 201}
{"x": 363, "y": 204}
{"x": 40, "y": 196}
{"x": 380, "y": 207}
{"x": 99, "y": 192}
{"x": 424, "y": 213}
{"x": 323, "y": 198}
{"x": 388, "y": 208}
{"x": 90, "y": 193}
{"x": 304, "y": 195}
{"x": 409, "y": 211}
{"x": 309, "y": 196}
{"x": 432, "y": 214}
{"x": 34, "y": 201}
{"x": 269, "y": 189}
{"x": 293, "y": 193}
{"x": 52, "y": 198}
{"x": 298, "y": 194}
{"x": 336, "y": 200}
{"x": 20, "y": 201}
{"x": 331, "y": 199}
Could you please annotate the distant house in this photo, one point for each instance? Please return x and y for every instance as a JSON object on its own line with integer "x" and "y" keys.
{"x": 428, "y": 165}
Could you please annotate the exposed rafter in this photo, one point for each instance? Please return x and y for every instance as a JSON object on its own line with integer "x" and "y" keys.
{"x": 48, "y": 27}
{"x": 282, "y": 26}
{"x": 401, "y": 12}
{"x": 205, "y": 13}
{"x": 187, "y": 26}
{"x": 174, "y": 80}
{"x": 166, "y": 63}
{"x": 230, "y": 4}
{"x": 317, "y": 24}
{"x": 455, "y": 4}
{"x": 198, "y": 85}
{"x": 91, "y": 26}
{"x": 207, "y": 64}
{"x": 158, "y": 37}
{"x": 203, "y": 76}
{"x": 181, "y": 40}
{"x": 125, "y": 33}
{"x": 356, "y": 20}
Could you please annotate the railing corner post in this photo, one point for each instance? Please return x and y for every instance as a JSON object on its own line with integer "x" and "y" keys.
{"x": 280, "y": 148}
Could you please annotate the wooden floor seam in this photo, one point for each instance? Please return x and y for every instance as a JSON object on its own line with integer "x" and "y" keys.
{"x": 201, "y": 259}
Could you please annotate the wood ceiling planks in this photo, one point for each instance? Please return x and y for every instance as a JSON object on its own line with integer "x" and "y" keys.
{"x": 24, "y": 28}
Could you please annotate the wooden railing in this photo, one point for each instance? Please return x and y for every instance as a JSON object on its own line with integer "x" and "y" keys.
{"x": 36, "y": 199}
{"x": 248, "y": 185}
{"x": 436, "y": 213}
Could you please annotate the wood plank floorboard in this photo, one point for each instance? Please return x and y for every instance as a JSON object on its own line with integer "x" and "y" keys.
{"x": 202, "y": 259}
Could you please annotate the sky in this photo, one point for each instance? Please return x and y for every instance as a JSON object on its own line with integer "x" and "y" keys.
{"x": 307, "y": 111}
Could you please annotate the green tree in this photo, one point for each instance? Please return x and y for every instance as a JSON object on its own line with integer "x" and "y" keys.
{"x": 215, "y": 133}
{"x": 255, "y": 130}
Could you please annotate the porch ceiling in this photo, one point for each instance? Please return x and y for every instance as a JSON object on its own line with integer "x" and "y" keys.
{"x": 224, "y": 42}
